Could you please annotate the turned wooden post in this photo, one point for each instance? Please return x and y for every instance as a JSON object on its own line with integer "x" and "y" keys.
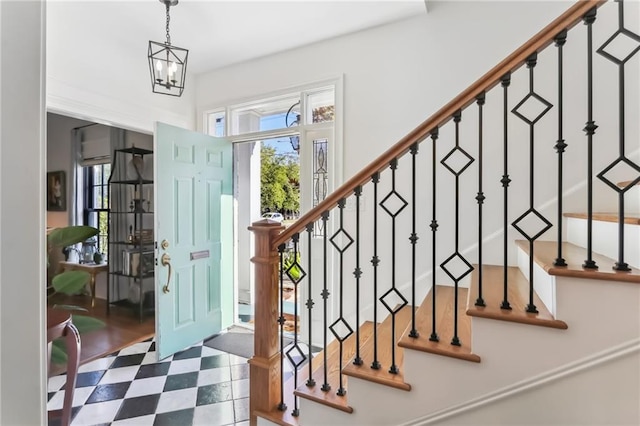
{"x": 264, "y": 366}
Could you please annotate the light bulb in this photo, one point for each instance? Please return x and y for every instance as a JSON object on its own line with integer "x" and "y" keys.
{"x": 159, "y": 65}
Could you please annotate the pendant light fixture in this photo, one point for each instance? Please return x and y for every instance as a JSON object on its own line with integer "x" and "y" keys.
{"x": 167, "y": 63}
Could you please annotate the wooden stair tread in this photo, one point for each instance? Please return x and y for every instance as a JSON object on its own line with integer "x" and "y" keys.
{"x": 517, "y": 295}
{"x": 545, "y": 253}
{"x": 444, "y": 326}
{"x": 382, "y": 375}
{"x": 629, "y": 218}
{"x": 330, "y": 397}
{"x": 626, "y": 183}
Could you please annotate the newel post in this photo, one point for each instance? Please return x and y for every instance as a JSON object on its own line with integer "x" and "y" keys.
{"x": 264, "y": 366}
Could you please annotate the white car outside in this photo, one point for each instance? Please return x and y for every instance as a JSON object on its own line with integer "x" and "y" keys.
{"x": 273, "y": 216}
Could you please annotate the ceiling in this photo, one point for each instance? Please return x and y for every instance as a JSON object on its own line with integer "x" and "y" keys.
{"x": 220, "y": 33}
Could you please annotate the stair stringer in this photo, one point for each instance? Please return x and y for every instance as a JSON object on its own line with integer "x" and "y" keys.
{"x": 585, "y": 383}
{"x": 600, "y": 314}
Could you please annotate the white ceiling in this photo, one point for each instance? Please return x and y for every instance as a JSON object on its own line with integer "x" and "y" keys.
{"x": 220, "y": 33}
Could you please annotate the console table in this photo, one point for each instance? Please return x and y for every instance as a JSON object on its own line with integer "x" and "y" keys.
{"x": 92, "y": 268}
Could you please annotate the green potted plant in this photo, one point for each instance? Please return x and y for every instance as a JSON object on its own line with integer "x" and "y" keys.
{"x": 70, "y": 283}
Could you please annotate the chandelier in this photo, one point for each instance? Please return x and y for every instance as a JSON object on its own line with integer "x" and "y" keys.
{"x": 167, "y": 63}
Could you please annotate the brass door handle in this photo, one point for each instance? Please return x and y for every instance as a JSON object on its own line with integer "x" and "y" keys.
{"x": 165, "y": 260}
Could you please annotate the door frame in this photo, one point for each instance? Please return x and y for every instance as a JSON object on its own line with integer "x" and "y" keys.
{"x": 337, "y": 83}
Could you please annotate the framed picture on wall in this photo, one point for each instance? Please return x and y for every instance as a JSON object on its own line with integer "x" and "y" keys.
{"x": 56, "y": 191}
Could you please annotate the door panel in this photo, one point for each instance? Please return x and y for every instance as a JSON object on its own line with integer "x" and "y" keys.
{"x": 193, "y": 207}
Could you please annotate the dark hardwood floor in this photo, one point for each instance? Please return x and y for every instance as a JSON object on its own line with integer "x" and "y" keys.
{"x": 122, "y": 329}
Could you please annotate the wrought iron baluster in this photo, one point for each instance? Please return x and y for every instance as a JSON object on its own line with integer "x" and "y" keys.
{"x": 462, "y": 160}
{"x": 590, "y": 130}
{"x": 396, "y": 205}
{"x": 434, "y": 229}
{"x": 375, "y": 261}
{"x": 295, "y": 355}
{"x": 545, "y": 106}
{"x": 505, "y": 82}
{"x": 414, "y": 240}
{"x": 620, "y": 264}
{"x": 310, "y": 303}
{"x": 282, "y": 406}
{"x": 560, "y": 40}
{"x": 480, "y": 99}
{"x": 341, "y": 241}
{"x": 357, "y": 273}
{"x": 325, "y": 296}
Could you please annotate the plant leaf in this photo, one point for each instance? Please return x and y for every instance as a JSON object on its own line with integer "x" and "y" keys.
{"x": 58, "y": 352}
{"x": 69, "y": 235}
{"x": 70, "y": 282}
{"x": 85, "y": 324}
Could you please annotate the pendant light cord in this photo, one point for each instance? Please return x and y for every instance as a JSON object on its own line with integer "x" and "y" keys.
{"x": 168, "y": 19}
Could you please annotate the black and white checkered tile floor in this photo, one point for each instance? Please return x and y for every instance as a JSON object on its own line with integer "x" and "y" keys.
{"x": 199, "y": 386}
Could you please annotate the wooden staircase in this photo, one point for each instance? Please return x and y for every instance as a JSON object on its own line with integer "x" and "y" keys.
{"x": 493, "y": 296}
{"x": 538, "y": 323}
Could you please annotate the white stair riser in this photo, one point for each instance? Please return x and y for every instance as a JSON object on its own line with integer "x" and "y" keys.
{"x": 605, "y": 239}
{"x": 543, "y": 283}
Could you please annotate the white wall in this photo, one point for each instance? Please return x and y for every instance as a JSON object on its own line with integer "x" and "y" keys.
{"x": 580, "y": 399}
{"x": 395, "y": 76}
{"x": 89, "y": 78}
{"x": 22, "y": 201}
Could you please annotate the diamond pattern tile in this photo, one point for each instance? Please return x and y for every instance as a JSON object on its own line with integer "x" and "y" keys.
{"x": 621, "y": 46}
{"x": 531, "y": 224}
{"x": 456, "y": 267}
{"x": 532, "y": 108}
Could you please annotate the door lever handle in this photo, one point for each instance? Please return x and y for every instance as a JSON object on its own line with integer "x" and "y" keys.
{"x": 165, "y": 260}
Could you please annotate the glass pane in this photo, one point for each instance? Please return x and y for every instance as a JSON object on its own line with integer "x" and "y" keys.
{"x": 106, "y": 173}
{"x": 97, "y": 174}
{"x": 102, "y": 236}
{"x": 320, "y": 178}
{"x": 267, "y": 115}
{"x": 216, "y": 124}
{"x": 97, "y": 197}
{"x": 320, "y": 106}
{"x": 280, "y": 180}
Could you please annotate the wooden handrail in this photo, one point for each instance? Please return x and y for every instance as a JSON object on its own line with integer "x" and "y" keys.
{"x": 512, "y": 62}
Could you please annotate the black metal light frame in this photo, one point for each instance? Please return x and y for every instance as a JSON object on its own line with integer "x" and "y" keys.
{"x": 167, "y": 63}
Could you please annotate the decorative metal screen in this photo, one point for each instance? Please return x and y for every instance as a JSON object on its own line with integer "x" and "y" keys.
{"x": 320, "y": 178}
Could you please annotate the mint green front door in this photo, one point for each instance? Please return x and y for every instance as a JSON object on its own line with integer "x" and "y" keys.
{"x": 194, "y": 234}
